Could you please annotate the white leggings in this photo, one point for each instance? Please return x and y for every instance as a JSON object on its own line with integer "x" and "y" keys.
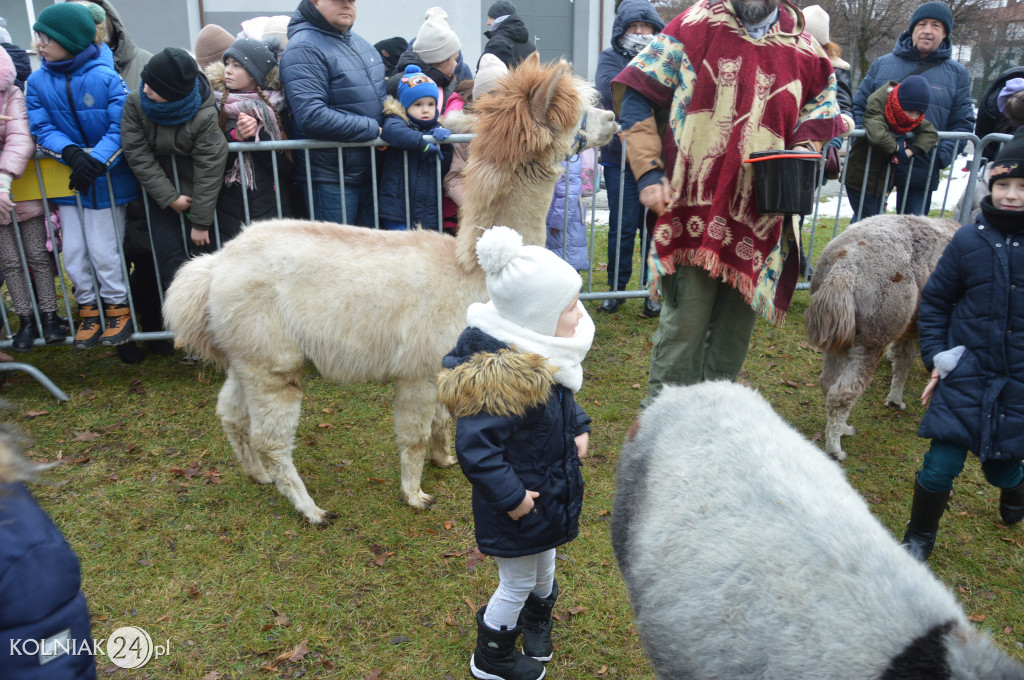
{"x": 519, "y": 576}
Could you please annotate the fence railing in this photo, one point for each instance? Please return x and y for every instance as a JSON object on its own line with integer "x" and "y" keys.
{"x": 596, "y": 217}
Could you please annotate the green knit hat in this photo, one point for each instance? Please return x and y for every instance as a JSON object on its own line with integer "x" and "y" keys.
{"x": 69, "y": 24}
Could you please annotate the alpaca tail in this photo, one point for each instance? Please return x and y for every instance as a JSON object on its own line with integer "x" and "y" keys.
{"x": 186, "y": 313}
{"x": 830, "y": 320}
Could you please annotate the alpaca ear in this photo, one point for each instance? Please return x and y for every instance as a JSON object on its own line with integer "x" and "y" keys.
{"x": 542, "y": 96}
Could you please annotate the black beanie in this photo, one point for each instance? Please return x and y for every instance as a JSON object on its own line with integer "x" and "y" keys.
{"x": 394, "y": 47}
{"x": 933, "y": 10}
{"x": 914, "y": 93}
{"x": 501, "y": 8}
{"x": 171, "y": 73}
{"x": 1010, "y": 161}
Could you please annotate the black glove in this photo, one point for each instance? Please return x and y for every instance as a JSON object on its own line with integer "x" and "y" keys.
{"x": 84, "y": 168}
{"x": 900, "y": 157}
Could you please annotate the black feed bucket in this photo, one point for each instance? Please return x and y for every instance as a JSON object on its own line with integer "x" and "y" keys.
{"x": 784, "y": 181}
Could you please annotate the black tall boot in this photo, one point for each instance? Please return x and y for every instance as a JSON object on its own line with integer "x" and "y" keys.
{"x": 536, "y": 619}
{"x": 26, "y": 335}
{"x": 496, "y": 657}
{"x": 55, "y": 329}
{"x": 923, "y": 526}
{"x": 1011, "y": 504}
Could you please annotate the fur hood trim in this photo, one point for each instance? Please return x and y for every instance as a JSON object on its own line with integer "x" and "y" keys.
{"x": 393, "y": 107}
{"x": 215, "y": 74}
{"x": 459, "y": 122}
{"x": 502, "y": 383}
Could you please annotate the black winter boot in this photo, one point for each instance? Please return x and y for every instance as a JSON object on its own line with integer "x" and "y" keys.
{"x": 536, "y": 619}
{"x": 496, "y": 658}
{"x": 923, "y": 526}
{"x": 1011, "y": 504}
{"x": 26, "y": 335}
{"x": 55, "y": 329}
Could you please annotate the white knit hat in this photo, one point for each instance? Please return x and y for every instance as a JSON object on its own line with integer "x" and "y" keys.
{"x": 488, "y": 71}
{"x": 436, "y": 41}
{"x": 529, "y": 285}
{"x": 816, "y": 20}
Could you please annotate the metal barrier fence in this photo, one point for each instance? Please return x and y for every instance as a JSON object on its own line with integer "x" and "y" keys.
{"x": 594, "y": 226}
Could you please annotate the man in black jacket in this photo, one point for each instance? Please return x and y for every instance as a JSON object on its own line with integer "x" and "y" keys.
{"x": 508, "y": 39}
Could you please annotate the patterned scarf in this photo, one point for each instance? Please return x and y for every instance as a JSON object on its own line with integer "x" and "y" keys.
{"x": 172, "y": 113}
{"x": 251, "y": 104}
{"x": 897, "y": 118}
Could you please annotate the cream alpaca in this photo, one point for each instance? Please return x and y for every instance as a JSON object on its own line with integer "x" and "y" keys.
{"x": 260, "y": 310}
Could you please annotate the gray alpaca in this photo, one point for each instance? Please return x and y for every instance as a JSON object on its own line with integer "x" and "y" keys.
{"x": 864, "y": 296}
{"x": 747, "y": 555}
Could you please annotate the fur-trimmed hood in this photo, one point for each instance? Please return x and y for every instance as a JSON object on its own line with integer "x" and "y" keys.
{"x": 484, "y": 374}
{"x": 215, "y": 74}
{"x": 393, "y": 107}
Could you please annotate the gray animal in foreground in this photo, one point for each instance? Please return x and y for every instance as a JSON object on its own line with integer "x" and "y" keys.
{"x": 747, "y": 554}
{"x": 864, "y": 296}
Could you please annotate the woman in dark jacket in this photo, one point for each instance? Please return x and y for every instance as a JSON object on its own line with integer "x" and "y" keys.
{"x": 971, "y": 324}
{"x": 436, "y": 50}
{"x": 990, "y": 118}
{"x": 636, "y": 22}
{"x": 40, "y": 584}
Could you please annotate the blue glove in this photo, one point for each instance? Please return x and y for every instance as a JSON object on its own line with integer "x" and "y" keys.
{"x": 440, "y": 134}
{"x": 900, "y": 157}
{"x": 432, "y": 148}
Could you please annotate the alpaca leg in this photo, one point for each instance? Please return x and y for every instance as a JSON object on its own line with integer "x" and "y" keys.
{"x": 234, "y": 418}
{"x": 850, "y": 383}
{"x": 275, "y": 403}
{"x": 440, "y": 447}
{"x": 415, "y": 406}
{"x": 901, "y": 355}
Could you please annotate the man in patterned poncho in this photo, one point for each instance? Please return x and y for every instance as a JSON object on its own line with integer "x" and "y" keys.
{"x": 725, "y": 78}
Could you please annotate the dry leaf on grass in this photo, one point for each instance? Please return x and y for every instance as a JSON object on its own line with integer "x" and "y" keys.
{"x": 212, "y": 675}
{"x": 294, "y": 656}
{"x": 35, "y": 414}
{"x": 86, "y": 436}
{"x": 374, "y": 675}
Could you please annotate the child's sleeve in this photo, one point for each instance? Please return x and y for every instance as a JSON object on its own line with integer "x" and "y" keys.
{"x": 399, "y": 135}
{"x": 876, "y": 129}
{"x": 209, "y": 156}
{"x": 480, "y": 441}
{"x": 925, "y": 138}
{"x": 49, "y": 137}
{"x": 582, "y": 420}
{"x": 141, "y": 157}
{"x": 942, "y": 292}
{"x": 108, "y": 149}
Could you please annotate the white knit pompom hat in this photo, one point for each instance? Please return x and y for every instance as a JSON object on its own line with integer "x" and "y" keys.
{"x": 436, "y": 41}
{"x": 528, "y": 285}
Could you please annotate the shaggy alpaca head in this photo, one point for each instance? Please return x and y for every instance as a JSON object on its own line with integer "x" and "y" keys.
{"x": 529, "y": 285}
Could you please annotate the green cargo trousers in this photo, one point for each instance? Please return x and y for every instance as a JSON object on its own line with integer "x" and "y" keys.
{"x": 703, "y": 332}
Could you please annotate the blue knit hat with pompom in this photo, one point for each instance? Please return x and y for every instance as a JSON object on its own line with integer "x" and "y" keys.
{"x": 415, "y": 85}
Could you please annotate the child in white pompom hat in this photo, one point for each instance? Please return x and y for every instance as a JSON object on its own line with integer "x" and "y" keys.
{"x": 520, "y": 435}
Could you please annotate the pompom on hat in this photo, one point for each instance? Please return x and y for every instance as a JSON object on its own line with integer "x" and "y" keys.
{"x": 436, "y": 41}
{"x": 529, "y": 285}
{"x": 69, "y": 24}
{"x": 415, "y": 85}
{"x": 255, "y": 56}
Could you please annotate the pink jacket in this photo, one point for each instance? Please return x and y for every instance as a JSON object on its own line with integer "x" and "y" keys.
{"x": 16, "y": 143}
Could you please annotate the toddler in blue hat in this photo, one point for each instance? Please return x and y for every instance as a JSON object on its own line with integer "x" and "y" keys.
{"x": 407, "y": 119}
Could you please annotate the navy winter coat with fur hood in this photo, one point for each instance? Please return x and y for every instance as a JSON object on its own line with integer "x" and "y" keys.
{"x": 975, "y": 298}
{"x": 334, "y": 84}
{"x": 614, "y": 59}
{"x": 515, "y": 430}
{"x": 950, "y": 109}
{"x": 40, "y": 592}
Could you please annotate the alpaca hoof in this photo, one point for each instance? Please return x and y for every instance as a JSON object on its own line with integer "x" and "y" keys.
{"x": 848, "y": 430}
{"x": 420, "y": 500}
{"x": 320, "y": 518}
{"x": 898, "y": 405}
{"x": 837, "y": 456}
{"x": 445, "y": 462}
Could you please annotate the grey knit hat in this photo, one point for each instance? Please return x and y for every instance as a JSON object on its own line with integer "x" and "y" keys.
{"x": 501, "y": 8}
{"x": 255, "y": 57}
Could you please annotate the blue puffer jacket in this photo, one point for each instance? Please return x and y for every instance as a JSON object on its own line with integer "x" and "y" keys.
{"x": 91, "y": 117}
{"x": 614, "y": 59}
{"x": 334, "y": 85}
{"x": 423, "y": 177}
{"x": 533, "y": 447}
{"x": 575, "y": 240}
{"x": 950, "y": 109}
{"x": 975, "y": 298}
{"x": 40, "y": 593}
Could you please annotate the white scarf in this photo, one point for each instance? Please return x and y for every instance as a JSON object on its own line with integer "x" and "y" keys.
{"x": 564, "y": 353}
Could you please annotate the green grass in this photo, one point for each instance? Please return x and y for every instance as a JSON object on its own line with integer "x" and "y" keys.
{"x": 234, "y": 577}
